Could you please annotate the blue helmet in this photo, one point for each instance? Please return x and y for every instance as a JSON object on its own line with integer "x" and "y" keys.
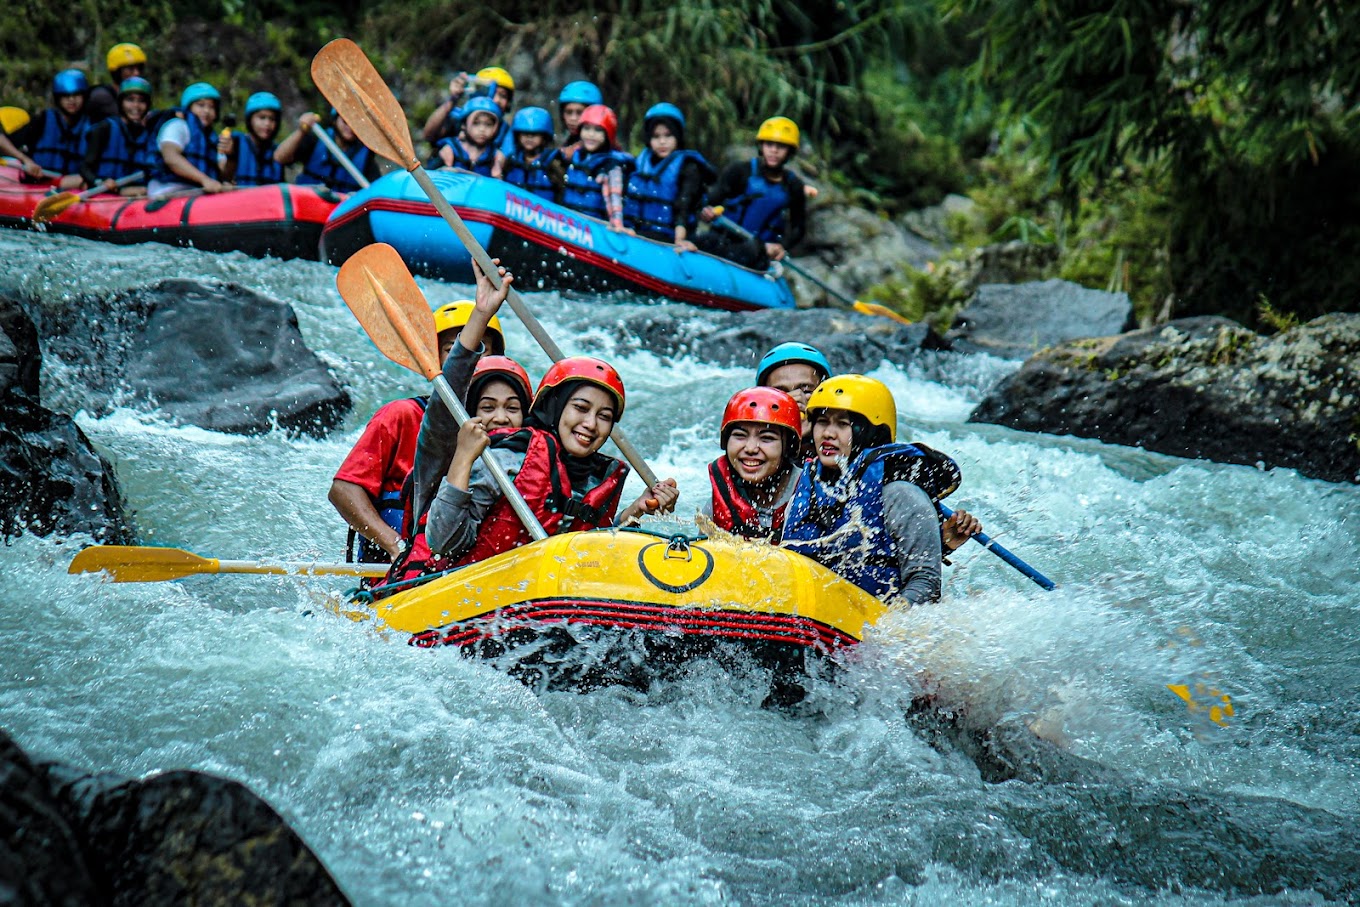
{"x": 135, "y": 85}
{"x": 533, "y": 119}
{"x": 70, "y": 81}
{"x": 663, "y": 111}
{"x": 788, "y": 354}
{"x": 197, "y": 92}
{"x": 481, "y": 104}
{"x": 581, "y": 92}
{"x": 263, "y": 100}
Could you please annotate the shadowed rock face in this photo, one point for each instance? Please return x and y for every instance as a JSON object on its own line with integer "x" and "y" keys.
{"x": 1015, "y": 320}
{"x": 175, "y": 838}
{"x": 1204, "y": 388}
{"x": 218, "y": 356}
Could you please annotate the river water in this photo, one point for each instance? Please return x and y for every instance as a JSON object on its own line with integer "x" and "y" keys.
{"x": 424, "y": 778}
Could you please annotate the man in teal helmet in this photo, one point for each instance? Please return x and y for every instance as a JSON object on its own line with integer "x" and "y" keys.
{"x": 120, "y": 146}
{"x": 54, "y": 140}
{"x": 796, "y": 369}
{"x": 247, "y": 157}
{"x": 188, "y": 145}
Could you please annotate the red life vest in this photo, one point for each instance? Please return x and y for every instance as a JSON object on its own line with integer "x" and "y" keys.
{"x": 542, "y": 480}
{"x": 733, "y": 512}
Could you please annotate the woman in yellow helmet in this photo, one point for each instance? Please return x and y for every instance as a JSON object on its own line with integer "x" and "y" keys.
{"x": 865, "y": 507}
{"x": 125, "y": 61}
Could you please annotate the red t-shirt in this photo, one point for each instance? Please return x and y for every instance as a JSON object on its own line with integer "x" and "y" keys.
{"x": 386, "y": 451}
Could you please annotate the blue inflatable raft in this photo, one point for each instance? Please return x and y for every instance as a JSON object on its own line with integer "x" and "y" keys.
{"x": 547, "y": 246}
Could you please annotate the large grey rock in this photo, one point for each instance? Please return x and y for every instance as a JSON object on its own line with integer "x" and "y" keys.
{"x": 1202, "y": 387}
{"x": 1016, "y": 320}
{"x": 851, "y": 250}
{"x": 215, "y": 355}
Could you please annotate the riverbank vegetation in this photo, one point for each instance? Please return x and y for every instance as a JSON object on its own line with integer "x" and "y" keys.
{"x": 1202, "y": 157}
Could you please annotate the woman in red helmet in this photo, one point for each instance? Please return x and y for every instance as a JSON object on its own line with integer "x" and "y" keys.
{"x": 556, "y": 463}
{"x": 754, "y": 478}
{"x": 597, "y": 171}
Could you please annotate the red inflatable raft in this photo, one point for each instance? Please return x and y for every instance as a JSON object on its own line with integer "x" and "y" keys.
{"x": 283, "y": 220}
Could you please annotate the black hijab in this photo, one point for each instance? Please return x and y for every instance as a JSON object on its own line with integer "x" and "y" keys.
{"x": 546, "y": 413}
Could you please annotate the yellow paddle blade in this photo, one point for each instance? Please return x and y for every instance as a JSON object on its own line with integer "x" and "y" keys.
{"x": 1217, "y": 704}
{"x": 135, "y": 564}
{"x": 349, "y": 81}
{"x": 379, "y": 289}
{"x": 53, "y": 205}
{"x": 873, "y": 308}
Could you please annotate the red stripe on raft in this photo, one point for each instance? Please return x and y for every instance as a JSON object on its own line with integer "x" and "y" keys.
{"x": 736, "y": 625}
{"x": 552, "y": 243}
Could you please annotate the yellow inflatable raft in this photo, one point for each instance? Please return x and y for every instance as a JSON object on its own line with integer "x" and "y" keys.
{"x": 672, "y": 586}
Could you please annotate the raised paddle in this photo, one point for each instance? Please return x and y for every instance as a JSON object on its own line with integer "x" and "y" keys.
{"x": 136, "y": 564}
{"x": 864, "y": 308}
{"x": 53, "y": 205}
{"x": 340, "y": 157}
{"x": 383, "y": 295}
{"x": 349, "y": 81}
{"x": 993, "y": 546}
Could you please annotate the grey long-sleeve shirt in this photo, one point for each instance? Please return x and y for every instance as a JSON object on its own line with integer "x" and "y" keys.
{"x": 456, "y": 515}
{"x": 438, "y": 437}
{"x": 914, "y": 526}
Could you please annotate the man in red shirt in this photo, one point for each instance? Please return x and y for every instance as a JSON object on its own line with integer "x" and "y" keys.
{"x": 367, "y": 488}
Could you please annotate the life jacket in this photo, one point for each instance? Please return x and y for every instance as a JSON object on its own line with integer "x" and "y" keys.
{"x": 841, "y": 526}
{"x": 760, "y": 209}
{"x": 532, "y": 175}
{"x": 201, "y": 152}
{"x": 391, "y": 504}
{"x": 649, "y": 202}
{"x": 256, "y": 166}
{"x": 462, "y": 160}
{"x": 322, "y": 167}
{"x": 542, "y": 480}
{"x": 733, "y": 512}
{"x": 60, "y": 147}
{"x": 124, "y": 155}
{"x": 583, "y": 192}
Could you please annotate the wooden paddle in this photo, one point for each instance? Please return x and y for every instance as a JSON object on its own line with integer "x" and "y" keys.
{"x": 349, "y": 81}
{"x": 865, "y": 308}
{"x": 340, "y": 157}
{"x": 53, "y": 205}
{"x": 383, "y": 295}
{"x": 137, "y": 564}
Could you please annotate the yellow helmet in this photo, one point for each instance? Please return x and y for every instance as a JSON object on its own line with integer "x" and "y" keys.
{"x": 867, "y": 396}
{"x": 779, "y": 129}
{"x": 456, "y": 314}
{"x": 12, "y": 119}
{"x": 121, "y": 55}
{"x": 498, "y": 75}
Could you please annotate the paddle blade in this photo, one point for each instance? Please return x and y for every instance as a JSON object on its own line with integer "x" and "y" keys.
{"x": 53, "y": 205}
{"x": 873, "y": 308}
{"x": 382, "y": 294}
{"x": 349, "y": 81}
{"x": 135, "y": 564}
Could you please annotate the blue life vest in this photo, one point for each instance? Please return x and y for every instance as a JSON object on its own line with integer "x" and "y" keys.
{"x": 760, "y": 209}
{"x": 461, "y": 159}
{"x": 583, "y": 193}
{"x": 649, "y": 203}
{"x": 256, "y": 166}
{"x": 60, "y": 147}
{"x": 851, "y": 510}
{"x": 124, "y": 155}
{"x": 532, "y": 175}
{"x": 323, "y": 168}
{"x": 201, "y": 152}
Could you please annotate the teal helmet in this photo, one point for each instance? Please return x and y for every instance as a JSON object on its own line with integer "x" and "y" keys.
{"x": 70, "y": 81}
{"x": 198, "y": 92}
{"x": 263, "y": 100}
{"x": 789, "y": 353}
{"x": 135, "y": 85}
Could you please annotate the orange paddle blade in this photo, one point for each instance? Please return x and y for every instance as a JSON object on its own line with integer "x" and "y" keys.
{"x": 349, "y": 81}
{"x": 135, "y": 564}
{"x": 53, "y": 205}
{"x": 873, "y": 308}
{"x": 379, "y": 289}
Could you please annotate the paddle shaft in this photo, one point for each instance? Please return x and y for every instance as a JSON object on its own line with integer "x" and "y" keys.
{"x": 732, "y": 226}
{"x": 522, "y": 311}
{"x": 995, "y": 547}
{"x": 300, "y": 569}
{"x": 15, "y": 162}
{"x": 338, "y": 153}
{"x": 53, "y": 205}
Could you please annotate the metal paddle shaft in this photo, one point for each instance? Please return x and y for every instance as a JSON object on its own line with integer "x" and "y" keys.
{"x": 995, "y": 547}
{"x": 339, "y": 154}
{"x": 53, "y": 205}
{"x": 383, "y": 296}
{"x": 348, "y": 80}
{"x": 139, "y": 564}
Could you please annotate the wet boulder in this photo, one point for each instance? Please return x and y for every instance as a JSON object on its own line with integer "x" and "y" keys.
{"x": 219, "y": 356}
{"x": 52, "y": 480}
{"x": 1204, "y": 388}
{"x": 850, "y": 250}
{"x": 1016, "y": 320}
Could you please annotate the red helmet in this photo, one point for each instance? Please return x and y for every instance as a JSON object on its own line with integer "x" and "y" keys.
{"x": 583, "y": 368}
{"x": 489, "y": 367}
{"x": 768, "y": 405}
{"x": 605, "y": 118}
